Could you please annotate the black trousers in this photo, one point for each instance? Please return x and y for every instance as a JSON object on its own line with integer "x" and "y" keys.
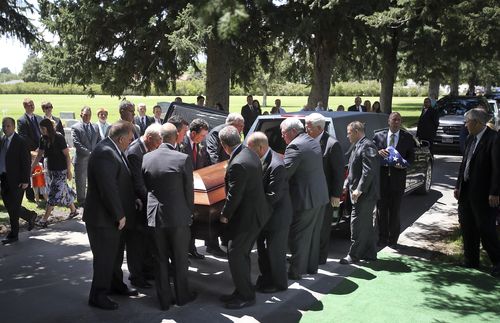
{"x": 139, "y": 243}
{"x": 172, "y": 243}
{"x": 271, "y": 250}
{"x": 477, "y": 224}
{"x": 326, "y": 229}
{"x": 392, "y": 186}
{"x": 107, "y": 245}
{"x": 362, "y": 230}
{"x": 239, "y": 249}
{"x": 12, "y": 198}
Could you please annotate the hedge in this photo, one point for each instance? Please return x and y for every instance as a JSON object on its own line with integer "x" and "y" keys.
{"x": 197, "y": 87}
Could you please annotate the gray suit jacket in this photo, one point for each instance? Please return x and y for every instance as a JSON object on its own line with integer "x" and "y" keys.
{"x": 110, "y": 194}
{"x": 84, "y": 144}
{"x": 304, "y": 163}
{"x": 168, "y": 176}
{"x": 364, "y": 169}
{"x": 214, "y": 147}
{"x": 333, "y": 164}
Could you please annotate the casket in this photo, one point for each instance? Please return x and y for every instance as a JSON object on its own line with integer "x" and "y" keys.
{"x": 209, "y": 197}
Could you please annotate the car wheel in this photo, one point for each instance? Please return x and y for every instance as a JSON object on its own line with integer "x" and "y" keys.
{"x": 426, "y": 186}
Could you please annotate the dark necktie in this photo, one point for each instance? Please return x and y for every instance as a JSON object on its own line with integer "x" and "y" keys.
{"x": 469, "y": 157}
{"x": 87, "y": 131}
{"x": 3, "y": 154}
{"x": 392, "y": 140}
{"x": 34, "y": 127}
{"x": 195, "y": 154}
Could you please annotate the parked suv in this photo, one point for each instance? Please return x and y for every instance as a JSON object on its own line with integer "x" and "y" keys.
{"x": 451, "y": 111}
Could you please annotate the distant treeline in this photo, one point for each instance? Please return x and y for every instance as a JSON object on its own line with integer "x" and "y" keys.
{"x": 197, "y": 87}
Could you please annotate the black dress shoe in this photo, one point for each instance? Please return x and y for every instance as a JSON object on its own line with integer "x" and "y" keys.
{"x": 348, "y": 260}
{"x": 9, "y": 240}
{"x": 228, "y": 297}
{"x": 191, "y": 298}
{"x": 218, "y": 252}
{"x": 193, "y": 253}
{"x": 238, "y": 303}
{"x": 269, "y": 289}
{"x": 141, "y": 283}
{"x": 294, "y": 276}
{"x": 104, "y": 303}
{"x": 125, "y": 291}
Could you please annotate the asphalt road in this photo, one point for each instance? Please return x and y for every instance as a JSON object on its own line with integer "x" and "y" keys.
{"x": 46, "y": 276}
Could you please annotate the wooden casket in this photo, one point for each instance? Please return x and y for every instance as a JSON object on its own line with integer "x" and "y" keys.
{"x": 209, "y": 198}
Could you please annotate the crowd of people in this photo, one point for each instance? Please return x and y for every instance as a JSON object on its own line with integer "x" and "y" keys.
{"x": 134, "y": 180}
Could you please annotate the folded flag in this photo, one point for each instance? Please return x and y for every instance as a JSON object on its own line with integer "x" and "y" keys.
{"x": 394, "y": 158}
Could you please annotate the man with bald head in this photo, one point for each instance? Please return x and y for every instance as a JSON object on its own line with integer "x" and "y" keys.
{"x": 392, "y": 177}
{"x": 168, "y": 177}
{"x": 272, "y": 240}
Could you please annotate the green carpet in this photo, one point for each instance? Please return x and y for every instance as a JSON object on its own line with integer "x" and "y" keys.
{"x": 402, "y": 289}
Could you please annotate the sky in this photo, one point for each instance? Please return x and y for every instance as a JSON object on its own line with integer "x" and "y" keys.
{"x": 13, "y": 54}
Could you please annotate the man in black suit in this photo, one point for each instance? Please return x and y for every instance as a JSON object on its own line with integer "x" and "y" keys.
{"x": 109, "y": 209}
{"x": 363, "y": 186}
{"x": 357, "y": 106}
{"x": 309, "y": 192}
{"x": 249, "y": 113}
{"x": 15, "y": 161}
{"x": 392, "y": 178}
{"x": 272, "y": 240}
{"x": 214, "y": 147}
{"x": 168, "y": 176}
{"x": 139, "y": 243}
{"x": 477, "y": 191}
{"x": 182, "y": 129}
{"x": 142, "y": 120}
{"x": 428, "y": 122}
{"x": 127, "y": 112}
{"x": 28, "y": 127}
{"x": 47, "y": 110}
{"x": 193, "y": 145}
{"x": 333, "y": 166}
{"x": 245, "y": 212}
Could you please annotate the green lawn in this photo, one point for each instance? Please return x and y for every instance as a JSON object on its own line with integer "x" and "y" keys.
{"x": 11, "y": 104}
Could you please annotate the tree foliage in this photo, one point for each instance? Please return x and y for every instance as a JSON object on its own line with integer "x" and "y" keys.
{"x": 15, "y": 23}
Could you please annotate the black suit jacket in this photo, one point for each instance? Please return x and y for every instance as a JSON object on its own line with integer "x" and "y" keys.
{"x": 405, "y": 146}
{"x": 110, "y": 193}
{"x": 427, "y": 124}
{"x": 354, "y": 108}
{"x": 364, "y": 169}
{"x": 135, "y": 153}
{"x": 202, "y": 158}
{"x": 245, "y": 205}
{"x": 25, "y": 130}
{"x": 333, "y": 164}
{"x": 149, "y": 121}
{"x": 214, "y": 147}
{"x": 168, "y": 176}
{"x": 249, "y": 114}
{"x": 484, "y": 169}
{"x": 277, "y": 192}
{"x": 17, "y": 162}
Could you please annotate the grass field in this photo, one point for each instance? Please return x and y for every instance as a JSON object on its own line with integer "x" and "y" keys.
{"x": 11, "y": 104}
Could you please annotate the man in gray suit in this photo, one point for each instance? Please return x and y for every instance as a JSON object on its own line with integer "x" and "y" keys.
{"x": 85, "y": 137}
{"x": 214, "y": 147}
{"x": 168, "y": 176}
{"x": 127, "y": 112}
{"x": 272, "y": 240}
{"x": 245, "y": 212}
{"x": 309, "y": 192}
{"x": 363, "y": 185}
{"x": 333, "y": 166}
{"x": 110, "y": 206}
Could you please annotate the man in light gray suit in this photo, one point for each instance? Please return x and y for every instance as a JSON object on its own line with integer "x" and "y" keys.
{"x": 85, "y": 137}
{"x": 309, "y": 193}
{"x": 168, "y": 176}
{"x": 363, "y": 185}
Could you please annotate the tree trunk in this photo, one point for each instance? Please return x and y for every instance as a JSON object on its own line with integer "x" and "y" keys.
{"x": 487, "y": 87}
{"x": 218, "y": 73}
{"x": 434, "y": 87}
{"x": 322, "y": 73}
{"x": 455, "y": 79}
{"x": 389, "y": 70}
{"x": 264, "y": 96}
